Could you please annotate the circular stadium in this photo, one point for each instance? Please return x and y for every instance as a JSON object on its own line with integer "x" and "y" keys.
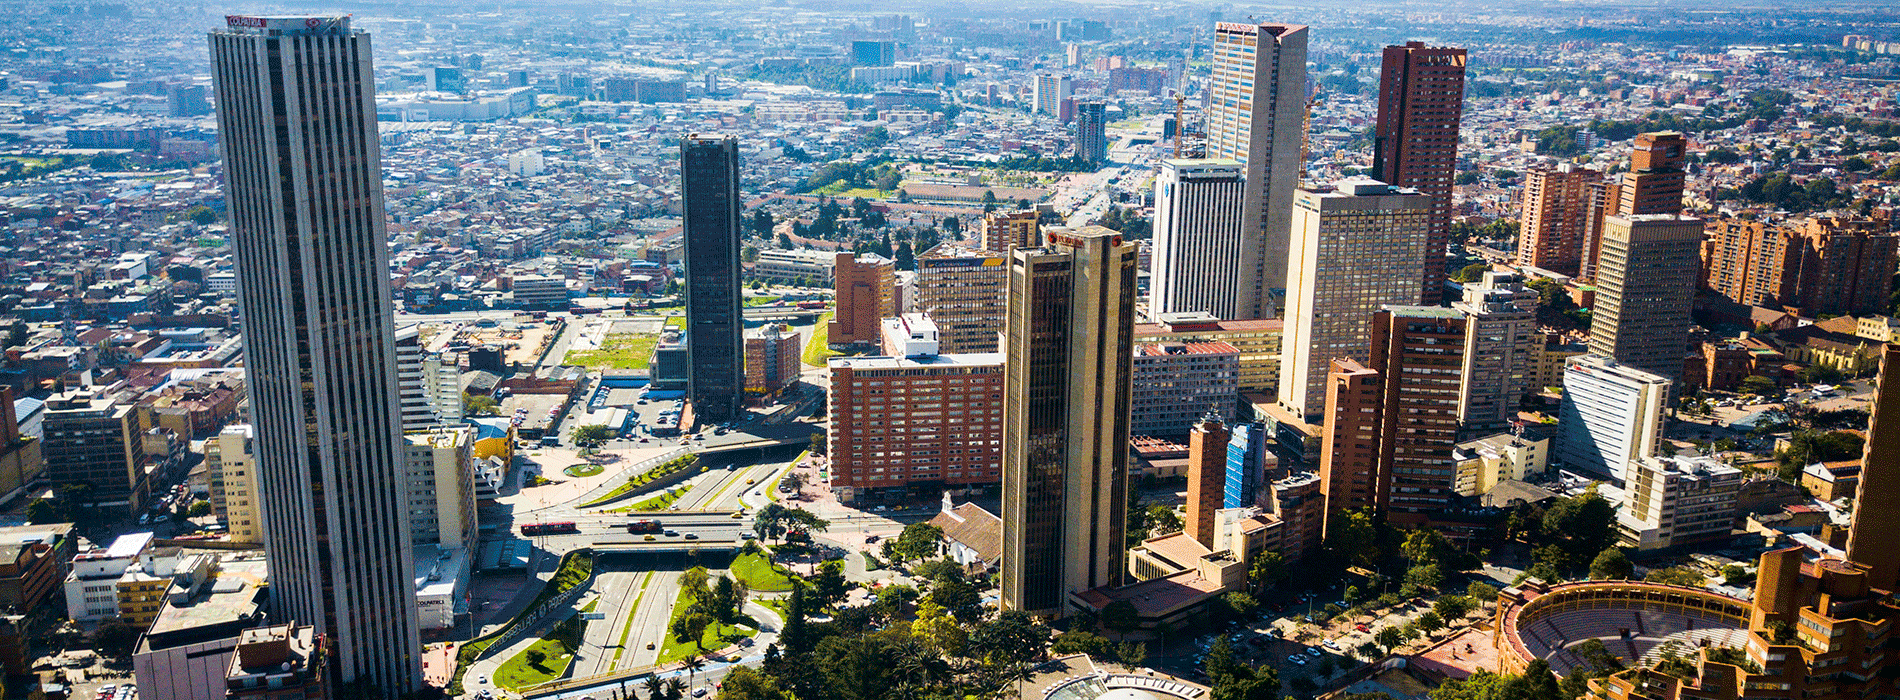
{"x": 1634, "y": 620}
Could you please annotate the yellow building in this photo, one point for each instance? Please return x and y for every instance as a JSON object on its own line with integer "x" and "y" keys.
{"x": 1258, "y": 342}
{"x": 1547, "y": 364}
{"x": 140, "y": 596}
{"x": 233, "y": 471}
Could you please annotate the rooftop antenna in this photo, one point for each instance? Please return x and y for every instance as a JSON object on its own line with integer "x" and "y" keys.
{"x": 1179, "y": 123}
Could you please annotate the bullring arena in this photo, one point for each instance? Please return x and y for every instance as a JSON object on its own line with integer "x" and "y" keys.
{"x": 1633, "y": 620}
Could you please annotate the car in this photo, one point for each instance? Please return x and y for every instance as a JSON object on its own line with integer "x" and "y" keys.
{"x": 1330, "y": 644}
{"x": 738, "y": 514}
{"x": 672, "y": 533}
{"x": 747, "y": 536}
{"x": 649, "y": 538}
{"x": 750, "y": 482}
{"x": 481, "y": 680}
{"x": 1314, "y": 651}
{"x": 1296, "y": 659}
{"x": 1362, "y": 627}
{"x": 870, "y": 539}
{"x": 699, "y": 692}
{"x": 649, "y": 645}
{"x": 692, "y": 536}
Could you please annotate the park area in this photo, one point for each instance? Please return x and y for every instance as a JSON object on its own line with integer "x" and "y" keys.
{"x": 616, "y": 351}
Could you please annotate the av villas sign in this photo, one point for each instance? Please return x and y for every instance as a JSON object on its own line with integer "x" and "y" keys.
{"x": 286, "y": 24}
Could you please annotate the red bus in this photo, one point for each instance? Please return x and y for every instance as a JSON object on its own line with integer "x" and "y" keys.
{"x": 812, "y": 304}
{"x": 638, "y": 526}
{"x": 561, "y": 528}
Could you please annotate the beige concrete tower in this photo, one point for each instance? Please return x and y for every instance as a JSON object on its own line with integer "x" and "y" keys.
{"x": 1257, "y": 115}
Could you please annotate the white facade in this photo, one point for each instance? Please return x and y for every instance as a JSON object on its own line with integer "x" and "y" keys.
{"x": 1356, "y": 249}
{"x": 527, "y": 162}
{"x": 1256, "y": 114}
{"x": 1200, "y": 209}
{"x": 787, "y": 265}
{"x": 431, "y": 385}
{"x": 92, "y": 587}
{"x": 1675, "y": 500}
{"x": 1612, "y": 415}
{"x": 1484, "y": 462}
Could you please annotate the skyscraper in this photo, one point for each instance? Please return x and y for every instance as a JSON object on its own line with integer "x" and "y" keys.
{"x": 866, "y": 291}
{"x": 1356, "y": 249}
{"x": 1654, "y": 182}
{"x": 1207, "y": 476}
{"x": 1499, "y": 342}
{"x": 1415, "y": 143}
{"x": 1646, "y": 282}
{"x": 1051, "y": 90}
{"x": 965, "y": 292}
{"x": 1199, "y": 214}
{"x": 303, "y": 183}
{"x": 1612, "y": 414}
{"x": 1403, "y": 403}
{"x": 1256, "y": 114}
{"x": 1872, "y": 540}
{"x": 1091, "y": 130}
{"x": 1066, "y": 394}
{"x": 709, "y": 195}
{"x": 1556, "y": 217}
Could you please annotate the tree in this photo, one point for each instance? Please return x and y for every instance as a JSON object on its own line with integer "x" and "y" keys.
{"x": 478, "y": 405}
{"x": 536, "y": 657}
{"x": 588, "y": 435}
{"x": 1354, "y": 539}
{"x": 115, "y": 638}
{"x": 198, "y": 509}
{"x": 1425, "y": 576}
{"x": 1162, "y": 520}
{"x": 829, "y": 585}
{"x": 1481, "y": 592}
{"x": 691, "y": 627}
{"x": 1472, "y": 273}
{"x": 1013, "y": 637}
{"x": 1269, "y": 569}
{"x": 1675, "y": 576}
{"x": 694, "y": 582}
{"x": 1121, "y": 616}
{"x": 761, "y": 222}
{"x": 1759, "y": 385}
{"x": 1390, "y": 638}
{"x": 727, "y": 599}
{"x": 1452, "y": 608}
{"x": 1612, "y": 563}
{"x": 1430, "y": 622}
{"x": 41, "y": 511}
{"x": 744, "y": 683}
{"x": 692, "y": 662}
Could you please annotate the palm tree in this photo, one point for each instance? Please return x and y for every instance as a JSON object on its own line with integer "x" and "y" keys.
{"x": 693, "y": 663}
{"x": 675, "y": 688}
{"x": 655, "y": 691}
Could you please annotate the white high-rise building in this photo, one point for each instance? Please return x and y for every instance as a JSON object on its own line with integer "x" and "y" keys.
{"x": 527, "y": 162}
{"x": 1051, "y": 90}
{"x": 303, "y": 184}
{"x": 1199, "y": 214}
{"x": 1612, "y": 415}
{"x": 430, "y": 384}
{"x": 1256, "y": 114}
{"x": 1356, "y": 249}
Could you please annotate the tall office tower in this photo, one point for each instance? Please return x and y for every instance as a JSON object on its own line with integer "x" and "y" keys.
{"x": 303, "y": 184}
{"x": 1646, "y": 282}
{"x": 1602, "y": 196}
{"x": 1199, "y": 214}
{"x": 964, "y": 291}
{"x": 1500, "y": 338}
{"x": 1007, "y": 231}
{"x": 1872, "y": 540}
{"x": 1356, "y": 249}
{"x": 1091, "y": 130}
{"x": 1066, "y": 392}
{"x": 1247, "y": 460}
{"x": 1256, "y": 114}
{"x": 1415, "y": 143}
{"x": 1815, "y": 266}
{"x": 1403, "y": 404}
{"x": 772, "y": 360}
{"x": 1555, "y": 217}
{"x": 866, "y": 292}
{"x": 1206, "y": 478}
{"x": 873, "y": 52}
{"x": 1051, "y": 91}
{"x": 1655, "y": 179}
{"x": 709, "y": 195}
{"x": 1612, "y": 413}
{"x": 92, "y": 438}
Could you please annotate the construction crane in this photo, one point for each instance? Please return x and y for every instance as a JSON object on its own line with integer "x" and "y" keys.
{"x": 1306, "y": 130}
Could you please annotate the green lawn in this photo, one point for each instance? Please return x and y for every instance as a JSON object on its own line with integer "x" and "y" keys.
{"x": 761, "y": 301}
{"x": 559, "y": 645}
{"x": 816, "y": 349}
{"x": 714, "y": 638}
{"x": 642, "y": 479}
{"x": 659, "y": 502}
{"x": 617, "y": 351}
{"x": 583, "y": 469}
{"x": 758, "y": 573}
{"x": 777, "y": 605}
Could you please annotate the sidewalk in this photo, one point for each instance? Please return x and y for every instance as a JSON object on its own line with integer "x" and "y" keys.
{"x": 566, "y": 489}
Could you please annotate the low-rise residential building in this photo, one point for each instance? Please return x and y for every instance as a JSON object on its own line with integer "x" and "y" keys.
{"x": 810, "y": 266}
{"x": 1484, "y": 462}
{"x": 1678, "y": 500}
{"x": 33, "y": 564}
{"x": 1832, "y": 481}
{"x": 92, "y": 585}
